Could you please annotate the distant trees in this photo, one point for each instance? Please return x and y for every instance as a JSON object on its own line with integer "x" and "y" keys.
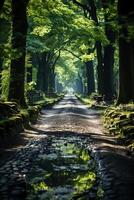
{"x": 105, "y": 63}
{"x": 89, "y": 7}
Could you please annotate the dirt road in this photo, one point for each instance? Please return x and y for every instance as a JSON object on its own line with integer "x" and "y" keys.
{"x": 63, "y": 137}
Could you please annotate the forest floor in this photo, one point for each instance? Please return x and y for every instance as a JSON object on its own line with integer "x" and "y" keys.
{"x": 72, "y": 122}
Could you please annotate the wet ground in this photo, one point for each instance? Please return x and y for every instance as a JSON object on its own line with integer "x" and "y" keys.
{"x": 68, "y": 156}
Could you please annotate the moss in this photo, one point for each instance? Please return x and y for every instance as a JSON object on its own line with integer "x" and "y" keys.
{"x": 131, "y": 146}
{"x": 33, "y": 113}
{"x": 25, "y": 117}
{"x": 10, "y": 129}
{"x": 48, "y": 101}
{"x": 24, "y": 113}
{"x": 86, "y": 100}
{"x": 13, "y": 119}
{"x": 120, "y": 122}
{"x": 131, "y": 115}
{"x": 3, "y": 121}
{"x": 128, "y": 129}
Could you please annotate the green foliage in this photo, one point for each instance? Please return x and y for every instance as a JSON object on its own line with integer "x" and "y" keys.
{"x": 6, "y": 10}
{"x": 30, "y": 86}
{"x": 66, "y": 69}
{"x": 87, "y": 100}
{"x": 54, "y": 24}
{"x": 5, "y": 83}
{"x": 59, "y": 26}
{"x": 87, "y": 57}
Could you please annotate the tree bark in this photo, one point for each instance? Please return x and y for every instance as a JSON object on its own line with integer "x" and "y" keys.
{"x": 39, "y": 73}
{"x": 100, "y": 69}
{"x": 51, "y": 75}
{"x": 1, "y": 4}
{"x": 126, "y": 53}
{"x": 29, "y": 74}
{"x": 108, "y": 54}
{"x": 108, "y": 73}
{"x": 1, "y": 63}
{"x": 42, "y": 74}
{"x": 90, "y": 77}
{"x": 79, "y": 84}
{"x": 17, "y": 69}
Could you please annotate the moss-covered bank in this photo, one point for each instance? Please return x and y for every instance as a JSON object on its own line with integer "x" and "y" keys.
{"x": 92, "y": 101}
{"x": 119, "y": 121}
{"x": 13, "y": 119}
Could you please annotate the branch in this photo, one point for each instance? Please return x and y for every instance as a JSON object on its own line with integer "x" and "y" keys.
{"x": 73, "y": 54}
{"x": 64, "y": 43}
{"x": 85, "y": 7}
{"x": 90, "y": 7}
{"x": 49, "y": 56}
{"x": 56, "y": 59}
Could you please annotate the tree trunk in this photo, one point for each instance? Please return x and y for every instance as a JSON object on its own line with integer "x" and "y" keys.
{"x": 100, "y": 69}
{"x": 90, "y": 77}
{"x": 108, "y": 73}
{"x": 39, "y": 73}
{"x": 1, "y": 63}
{"x": 42, "y": 74}
{"x": 17, "y": 69}
{"x": 108, "y": 54}
{"x": 51, "y": 75}
{"x": 29, "y": 74}
{"x": 1, "y": 4}
{"x": 126, "y": 53}
{"x": 79, "y": 84}
{"x": 45, "y": 76}
{"x": 59, "y": 87}
{"x": 132, "y": 68}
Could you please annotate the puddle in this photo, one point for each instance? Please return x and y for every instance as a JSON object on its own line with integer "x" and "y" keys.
{"x": 64, "y": 172}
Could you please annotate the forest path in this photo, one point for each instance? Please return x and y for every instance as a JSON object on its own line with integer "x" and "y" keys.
{"x": 117, "y": 168}
{"x": 68, "y": 125}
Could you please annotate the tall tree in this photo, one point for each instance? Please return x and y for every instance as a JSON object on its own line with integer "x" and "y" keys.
{"x": 126, "y": 51}
{"x": 42, "y": 74}
{"x": 90, "y": 77}
{"x": 90, "y": 7}
{"x": 19, "y": 33}
{"x": 109, "y": 51}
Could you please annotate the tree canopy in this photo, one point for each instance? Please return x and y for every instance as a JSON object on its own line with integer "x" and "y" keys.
{"x": 65, "y": 41}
